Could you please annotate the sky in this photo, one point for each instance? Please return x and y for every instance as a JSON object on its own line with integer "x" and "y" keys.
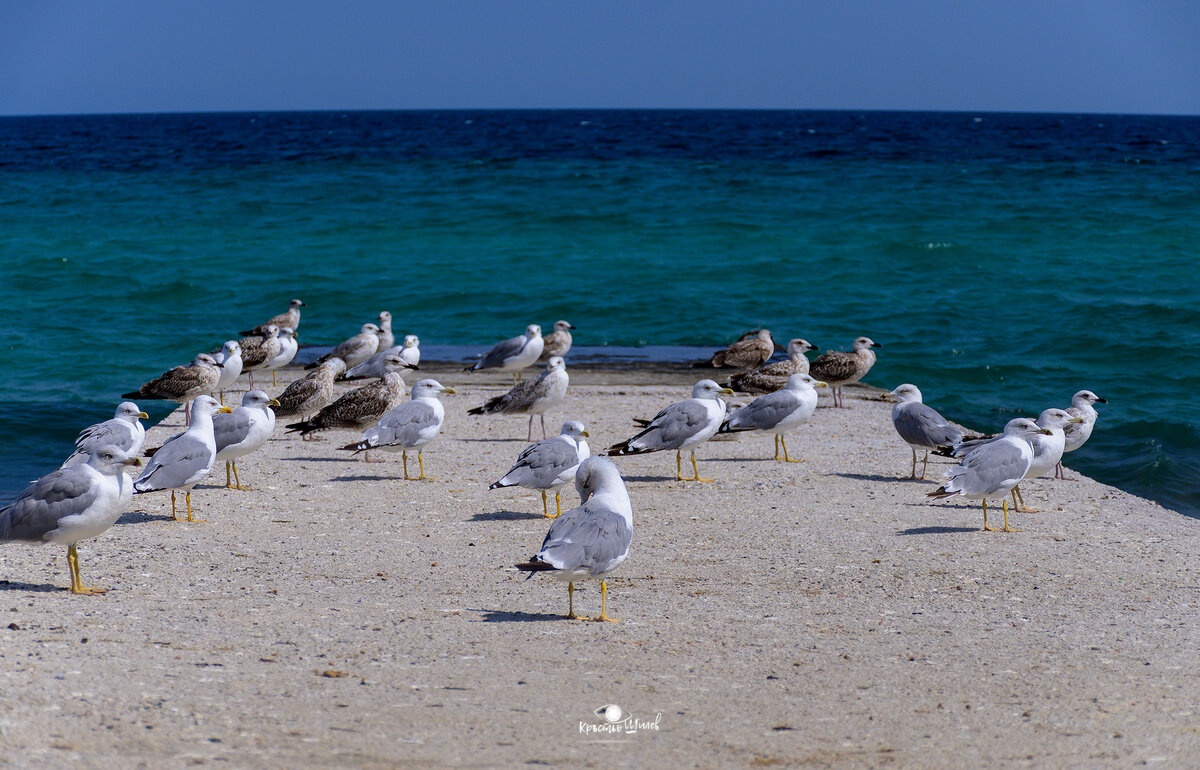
{"x": 1108, "y": 56}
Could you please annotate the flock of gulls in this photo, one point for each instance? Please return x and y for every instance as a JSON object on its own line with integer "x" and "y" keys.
{"x": 84, "y": 498}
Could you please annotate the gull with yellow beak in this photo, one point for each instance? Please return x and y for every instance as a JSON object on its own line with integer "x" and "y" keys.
{"x": 185, "y": 458}
{"x": 412, "y": 425}
{"x": 244, "y": 430}
{"x": 549, "y": 464}
{"x": 777, "y": 412}
{"x": 683, "y": 425}
{"x": 124, "y": 431}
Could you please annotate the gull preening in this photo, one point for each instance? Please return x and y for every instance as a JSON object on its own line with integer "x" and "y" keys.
{"x": 354, "y": 350}
{"x": 747, "y": 353}
{"x": 73, "y": 503}
{"x": 513, "y": 354}
{"x": 242, "y": 431}
{"x": 777, "y": 412}
{"x": 532, "y": 397}
{"x": 680, "y": 426}
{"x": 993, "y": 468}
{"x": 185, "y": 458}
{"x": 920, "y": 426}
{"x": 360, "y": 408}
{"x": 412, "y": 425}
{"x": 592, "y": 540}
{"x": 1078, "y": 433}
{"x": 769, "y": 378}
{"x": 230, "y": 359}
{"x": 549, "y": 464}
{"x": 311, "y": 393}
{"x": 124, "y": 431}
{"x": 259, "y": 351}
{"x": 839, "y": 368}
{"x": 183, "y": 383}
{"x": 289, "y": 318}
{"x": 557, "y": 342}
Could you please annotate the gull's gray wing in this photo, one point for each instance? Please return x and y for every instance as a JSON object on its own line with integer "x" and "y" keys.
{"x": 540, "y": 464}
{"x": 230, "y": 429}
{"x": 673, "y": 425}
{"x": 587, "y": 537}
{"x": 764, "y": 412}
{"x": 373, "y": 366}
{"x": 61, "y": 493}
{"x": 990, "y": 466}
{"x": 501, "y": 352}
{"x": 407, "y": 422}
{"x": 922, "y": 425}
{"x": 520, "y": 398}
{"x": 175, "y": 463}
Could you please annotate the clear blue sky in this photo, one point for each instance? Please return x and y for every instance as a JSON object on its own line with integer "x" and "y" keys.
{"x": 74, "y": 56}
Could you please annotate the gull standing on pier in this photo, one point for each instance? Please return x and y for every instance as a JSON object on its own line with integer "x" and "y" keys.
{"x": 259, "y": 351}
{"x": 243, "y": 431}
{"x": 513, "y": 354}
{"x": 70, "y": 504}
{"x": 185, "y": 458}
{"x": 680, "y": 426}
{"x": 549, "y": 464}
{"x": 124, "y": 431}
{"x": 230, "y": 359}
{"x": 1078, "y": 433}
{"x": 289, "y": 318}
{"x": 557, "y": 342}
{"x": 311, "y": 393}
{"x": 360, "y": 408}
{"x": 769, "y": 378}
{"x": 288, "y": 347}
{"x": 746, "y": 353}
{"x": 412, "y": 425}
{"x": 592, "y": 540}
{"x": 920, "y": 426}
{"x": 777, "y": 412}
{"x": 183, "y": 383}
{"x": 838, "y": 368}
{"x": 532, "y": 397}
{"x": 354, "y": 350}
{"x": 386, "y": 338}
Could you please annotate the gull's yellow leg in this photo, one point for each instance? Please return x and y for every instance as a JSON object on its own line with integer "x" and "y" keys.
{"x": 558, "y": 504}
{"x": 986, "y": 528}
{"x": 228, "y": 481}
{"x": 696, "y": 471}
{"x": 604, "y": 603}
{"x": 222, "y": 398}
{"x": 1019, "y": 502}
{"x": 421, "y": 465}
{"x": 571, "y": 604}
{"x": 1007, "y": 528}
{"x": 924, "y": 463}
{"x": 545, "y": 506}
{"x": 237, "y": 481}
{"x": 678, "y": 467}
{"x": 913, "y": 475}
{"x": 174, "y": 516}
{"x": 273, "y": 380}
{"x": 776, "y": 446}
{"x": 188, "y": 498}
{"x": 787, "y": 459}
{"x": 77, "y": 586}
{"x": 404, "y": 457}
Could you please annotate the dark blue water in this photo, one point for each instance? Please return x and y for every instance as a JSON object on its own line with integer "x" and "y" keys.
{"x": 1004, "y": 261}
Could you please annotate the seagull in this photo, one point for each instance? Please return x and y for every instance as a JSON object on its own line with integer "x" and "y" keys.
{"x": 1078, "y": 433}
{"x": 183, "y": 383}
{"x": 592, "y": 540}
{"x": 288, "y": 347}
{"x": 243, "y": 431}
{"x": 532, "y": 397}
{"x": 355, "y": 350}
{"x": 777, "y": 412}
{"x": 513, "y": 354}
{"x": 769, "y": 378}
{"x": 994, "y": 468}
{"x": 259, "y": 352}
{"x": 360, "y": 408}
{"x": 412, "y": 425}
{"x": 290, "y": 318}
{"x": 557, "y": 342}
{"x": 549, "y": 464}
{"x": 230, "y": 359}
{"x": 185, "y": 458}
{"x": 73, "y": 503}
{"x": 386, "y": 338}
{"x": 921, "y": 426}
{"x": 311, "y": 393}
{"x": 680, "y": 426}
{"x": 410, "y": 352}
{"x": 746, "y": 353}
{"x": 838, "y": 368}
{"x": 124, "y": 431}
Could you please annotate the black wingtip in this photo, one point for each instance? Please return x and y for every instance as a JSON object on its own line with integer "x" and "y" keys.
{"x": 135, "y": 394}
{"x": 533, "y": 566}
{"x": 477, "y": 410}
{"x": 940, "y": 492}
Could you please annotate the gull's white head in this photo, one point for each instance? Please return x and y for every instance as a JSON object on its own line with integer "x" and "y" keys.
{"x": 385, "y": 319}
{"x": 574, "y": 428}
{"x": 295, "y": 304}
{"x": 556, "y": 362}
{"x": 1056, "y": 418}
{"x": 206, "y": 406}
{"x": 231, "y": 348}
{"x": 863, "y": 343}
{"x": 412, "y": 341}
{"x": 562, "y": 326}
{"x": 204, "y": 359}
{"x": 130, "y": 412}
{"x": 394, "y": 363}
{"x": 286, "y": 332}
{"x": 259, "y": 399}
{"x": 369, "y": 329}
{"x": 430, "y": 388}
{"x": 596, "y": 473}
{"x": 803, "y": 382}
{"x": 709, "y": 389}
{"x": 1087, "y": 397}
{"x": 111, "y": 460}
{"x": 765, "y": 335}
{"x": 906, "y": 393}
{"x": 272, "y": 331}
{"x": 797, "y": 347}
{"x": 1024, "y": 427}
{"x": 533, "y": 331}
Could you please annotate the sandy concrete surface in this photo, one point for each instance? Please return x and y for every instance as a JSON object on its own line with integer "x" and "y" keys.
{"x": 817, "y": 614}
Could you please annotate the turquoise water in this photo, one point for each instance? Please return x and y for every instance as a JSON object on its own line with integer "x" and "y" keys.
{"x": 1003, "y": 261}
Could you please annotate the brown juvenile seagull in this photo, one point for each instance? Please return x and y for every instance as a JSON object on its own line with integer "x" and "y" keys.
{"x": 258, "y": 352}
{"x": 838, "y": 368}
{"x": 311, "y": 393}
{"x": 361, "y": 408}
{"x": 769, "y": 378}
{"x": 354, "y": 350}
{"x": 745, "y": 353}
{"x": 557, "y": 342}
{"x": 289, "y": 318}
{"x": 183, "y": 383}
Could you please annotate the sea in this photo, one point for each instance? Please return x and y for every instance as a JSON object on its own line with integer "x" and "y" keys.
{"x": 1003, "y": 261}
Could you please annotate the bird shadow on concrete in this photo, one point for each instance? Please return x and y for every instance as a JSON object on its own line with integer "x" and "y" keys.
{"x": 937, "y": 530}
{"x": 499, "y": 440}
{"x": 41, "y": 588}
{"x": 506, "y": 516}
{"x": 498, "y": 616}
{"x": 738, "y": 460}
{"x": 318, "y": 459}
{"x": 878, "y": 477}
{"x": 397, "y": 477}
{"x": 141, "y": 517}
{"x": 651, "y": 478}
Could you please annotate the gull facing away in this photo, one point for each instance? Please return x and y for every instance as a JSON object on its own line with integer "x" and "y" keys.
{"x": 410, "y": 352}
{"x": 549, "y": 464}
{"x": 360, "y": 408}
{"x": 777, "y": 412}
{"x": 289, "y": 345}
{"x": 289, "y": 318}
{"x": 513, "y": 354}
{"x": 386, "y": 338}
{"x": 746, "y": 353}
{"x": 244, "y": 430}
{"x": 532, "y": 397}
{"x": 354, "y": 350}
{"x": 921, "y": 426}
{"x": 124, "y": 431}
{"x": 1078, "y": 433}
{"x": 412, "y": 425}
{"x": 311, "y": 393}
{"x": 838, "y": 368}
{"x": 185, "y": 458}
{"x": 259, "y": 351}
{"x": 557, "y": 342}
{"x": 230, "y": 359}
{"x": 183, "y": 383}
{"x": 769, "y": 378}
{"x": 683, "y": 425}
{"x": 993, "y": 468}
{"x": 592, "y": 540}
{"x": 73, "y": 503}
